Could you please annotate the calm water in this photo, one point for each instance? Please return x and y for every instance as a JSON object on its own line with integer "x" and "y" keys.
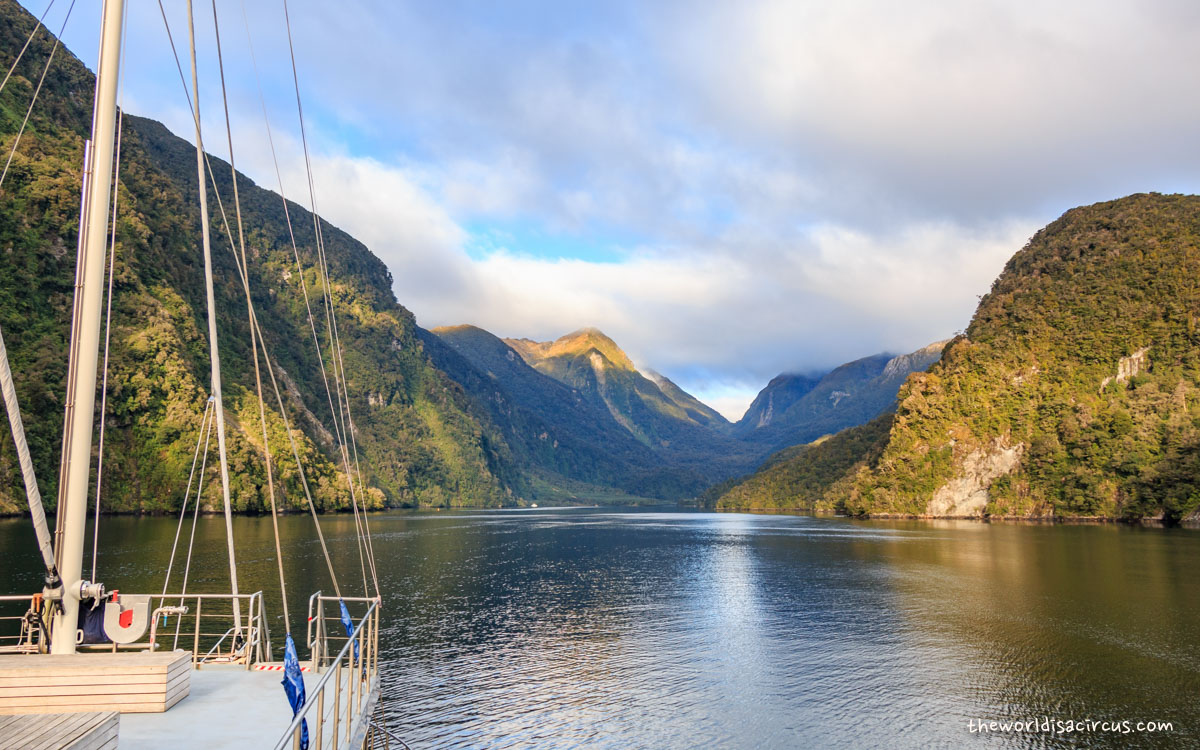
{"x": 614, "y": 629}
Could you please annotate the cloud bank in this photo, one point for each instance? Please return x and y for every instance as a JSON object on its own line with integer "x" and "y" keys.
{"x": 730, "y": 190}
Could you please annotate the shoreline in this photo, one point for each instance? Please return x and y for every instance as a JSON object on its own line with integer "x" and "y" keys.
{"x": 1156, "y": 522}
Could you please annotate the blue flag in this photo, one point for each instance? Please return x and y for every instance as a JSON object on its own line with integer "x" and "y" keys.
{"x": 348, "y": 625}
{"x": 293, "y": 685}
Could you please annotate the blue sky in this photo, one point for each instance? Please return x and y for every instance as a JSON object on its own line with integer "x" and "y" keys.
{"x": 730, "y": 190}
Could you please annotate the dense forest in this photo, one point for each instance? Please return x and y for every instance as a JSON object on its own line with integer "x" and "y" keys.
{"x": 1074, "y": 392}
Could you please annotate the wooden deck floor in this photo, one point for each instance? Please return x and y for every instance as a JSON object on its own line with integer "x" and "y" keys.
{"x": 73, "y": 731}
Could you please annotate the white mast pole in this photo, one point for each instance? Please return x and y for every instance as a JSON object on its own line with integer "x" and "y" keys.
{"x": 212, "y": 328}
{"x": 82, "y": 375}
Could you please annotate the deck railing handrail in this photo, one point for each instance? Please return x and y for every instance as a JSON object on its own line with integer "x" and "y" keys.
{"x": 362, "y": 664}
{"x": 317, "y": 636}
{"x": 25, "y": 639}
{"x": 256, "y": 631}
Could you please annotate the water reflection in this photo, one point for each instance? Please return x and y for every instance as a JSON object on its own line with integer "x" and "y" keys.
{"x": 610, "y": 629}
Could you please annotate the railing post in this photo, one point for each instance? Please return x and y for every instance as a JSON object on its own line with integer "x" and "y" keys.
{"x": 196, "y": 637}
{"x": 349, "y": 696}
{"x": 250, "y": 644}
{"x": 350, "y": 679}
{"x": 320, "y": 717}
{"x": 337, "y": 701}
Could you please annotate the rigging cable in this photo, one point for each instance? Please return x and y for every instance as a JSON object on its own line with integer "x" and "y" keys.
{"x": 213, "y": 343}
{"x": 36, "y": 92}
{"x": 308, "y": 305}
{"x": 331, "y": 321}
{"x": 262, "y": 409}
{"x": 266, "y": 357}
{"x": 187, "y": 568}
{"x": 186, "y": 494}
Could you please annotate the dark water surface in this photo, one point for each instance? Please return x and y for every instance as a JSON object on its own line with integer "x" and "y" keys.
{"x": 640, "y": 629}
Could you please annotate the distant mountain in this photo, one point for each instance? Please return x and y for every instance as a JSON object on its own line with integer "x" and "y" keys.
{"x": 774, "y": 400}
{"x": 813, "y": 477}
{"x": 797, "y": 409}
{"x": 655, "y": 411}
{"x": 577, "y": 410}
{"x": 1075, "y": 390}
{"x": 549, "y": 425}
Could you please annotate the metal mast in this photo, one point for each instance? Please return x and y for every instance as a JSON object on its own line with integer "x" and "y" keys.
{"x": 212, "y": 328}
{"x": 85, "y": 344}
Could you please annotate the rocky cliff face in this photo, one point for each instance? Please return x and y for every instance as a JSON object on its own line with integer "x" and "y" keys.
{"x": 899, "y": 368}
{"x": 966, "y": 493}
{"x": 1129, "y": 367}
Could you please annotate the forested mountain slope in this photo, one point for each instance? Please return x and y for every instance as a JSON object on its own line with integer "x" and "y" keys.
{"x": 1075, "y": 390}
{"x": 578, "y": 407}
{"x": 813, "y": 477}
{"x": 418, "y": 438}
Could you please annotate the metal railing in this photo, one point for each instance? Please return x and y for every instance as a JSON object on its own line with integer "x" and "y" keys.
{"x": 205, "y": 623}
{"x": 338, "y": 708}
{"x": 326, "y": 634}
{"x": 201, "y": 623}
{"x": 20, "y": 633}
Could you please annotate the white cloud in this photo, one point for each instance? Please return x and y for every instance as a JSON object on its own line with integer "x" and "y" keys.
{"x": 720, "y": 318}
{"x": 949, "y": 108}
{"x": 800, "y": 183}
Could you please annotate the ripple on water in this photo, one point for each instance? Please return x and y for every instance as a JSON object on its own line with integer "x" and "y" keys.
{"x": 673, "y": 630}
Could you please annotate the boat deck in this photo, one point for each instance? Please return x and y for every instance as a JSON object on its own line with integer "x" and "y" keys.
{"x": 72, "y": 731}
{"x": 228, "y": 707}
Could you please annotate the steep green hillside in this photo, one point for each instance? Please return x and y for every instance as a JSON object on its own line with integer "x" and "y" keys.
{"x": 790, "y": 411}
{"x": 1076, "y": 388}
{"x": 419, "y": 441}
{"x": 812, "y": 477}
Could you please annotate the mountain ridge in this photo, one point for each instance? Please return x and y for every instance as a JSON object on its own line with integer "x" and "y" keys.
{"x": 795, "y": 409}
